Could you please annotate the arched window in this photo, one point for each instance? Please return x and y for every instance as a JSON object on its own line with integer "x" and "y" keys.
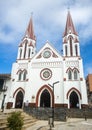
{"x": 75, "y": 75}
{"x": 24, "y": 75}
{"x": 20, "y": 53}
{"x": 71, "y": 51}
{"x": 29, "y": 53}
{"x": 76, "y": 50}
{"x": 69, "y": 75}
{"x": 65, "y": 50}
{"x": 25, "y": 48}
{"x": 20, "y": 76}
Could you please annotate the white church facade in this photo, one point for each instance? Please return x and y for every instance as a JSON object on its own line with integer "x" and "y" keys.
{"x": 47, "y": 78}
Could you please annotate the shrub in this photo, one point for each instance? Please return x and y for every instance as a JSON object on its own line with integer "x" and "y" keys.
{"x": 15, "y": 121}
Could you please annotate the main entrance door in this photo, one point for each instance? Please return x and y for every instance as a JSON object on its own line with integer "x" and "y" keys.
{"x": 74, "y": 100}
{"x": 19, "y": 100}
{"x": 45, "y": 99}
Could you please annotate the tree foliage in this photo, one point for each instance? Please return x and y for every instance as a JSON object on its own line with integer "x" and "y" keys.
{"x": 15, "y": 121}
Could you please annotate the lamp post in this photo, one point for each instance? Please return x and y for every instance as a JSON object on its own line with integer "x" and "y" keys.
{"x": 52, "y": 86}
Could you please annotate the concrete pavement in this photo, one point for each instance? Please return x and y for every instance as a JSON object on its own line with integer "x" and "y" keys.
{"x": 70, "y": 124}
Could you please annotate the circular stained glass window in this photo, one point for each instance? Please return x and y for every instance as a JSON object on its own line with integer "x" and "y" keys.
{"x": 46, "y": 54}
{"x": 46, "y": 74}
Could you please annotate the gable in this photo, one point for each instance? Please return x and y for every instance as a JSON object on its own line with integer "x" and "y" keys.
{"x": 46, "y": 53}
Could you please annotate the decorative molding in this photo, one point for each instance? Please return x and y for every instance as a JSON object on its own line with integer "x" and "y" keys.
{"x": 17, "y": 90}
{"x": 13, "y": 79}
{"x": 39, "y": 56}
{"x": 73, "y": 89}
{"x": 46, "y": 74}
{"x": 72, "y": 69}
{"x": 22, "y": 65}
{"x": 81, "y": 79}
{"x": 47, "y": 64}
{"x": 54, "y": 55}
{"x": 39, "y": 92}
{"x": 64, "y": 79}
{"x": 72, "y": 63}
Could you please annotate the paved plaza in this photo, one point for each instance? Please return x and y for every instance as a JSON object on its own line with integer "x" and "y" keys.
{"x": 70, "y": 124}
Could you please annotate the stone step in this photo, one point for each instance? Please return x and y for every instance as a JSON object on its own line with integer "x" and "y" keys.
{"x": 26, "y": 125}
{"x": 3, "y": 122}
{"x": 28, "y": 120}
{"x": 4, "y": 127}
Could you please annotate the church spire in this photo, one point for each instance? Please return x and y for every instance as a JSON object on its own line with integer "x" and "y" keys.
{"x": 69, "y": 25}
{"x": 27, "y": 47}
{"x": 30, "y": 30}
{"x": 70, "y": 39}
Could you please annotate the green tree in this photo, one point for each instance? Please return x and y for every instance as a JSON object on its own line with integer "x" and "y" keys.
{"x": 15, "y": 121}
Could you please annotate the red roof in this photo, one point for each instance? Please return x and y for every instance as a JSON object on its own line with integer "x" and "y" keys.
{"x": 30, "y": 30}
{"x": 69, "y": 25}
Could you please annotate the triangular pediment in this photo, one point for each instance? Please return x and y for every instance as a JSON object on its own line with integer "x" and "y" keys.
{"x": 47, "y": 52}
{"x": 47, "y": 49}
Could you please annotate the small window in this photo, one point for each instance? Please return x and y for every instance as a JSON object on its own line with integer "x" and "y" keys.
{"x": 65, "y": 50}
{"x": 20, "y": 53}
{"x": 76, "y": 50}
{"x": 75, "y": 74}
{"x": 25, "y": 49}
{"x": 20, "y": 76}
{"x": 69, "y": 75}
{"x": 29, "y": 53}
{"x": 71, "y": 51}
{"x": 24, "y": 75}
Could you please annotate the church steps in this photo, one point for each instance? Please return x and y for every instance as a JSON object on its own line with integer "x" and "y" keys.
{"x": 28, "y": 120}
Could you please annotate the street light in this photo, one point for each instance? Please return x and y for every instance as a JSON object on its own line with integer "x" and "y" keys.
{"x": 52, "y": 86}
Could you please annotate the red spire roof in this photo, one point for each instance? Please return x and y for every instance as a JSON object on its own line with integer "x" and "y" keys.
{"x": 69, "y": 25}
{"x": 30, "y": 30}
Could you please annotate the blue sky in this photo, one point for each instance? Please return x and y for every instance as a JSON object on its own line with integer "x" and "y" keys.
{"x": 49, "y": 18}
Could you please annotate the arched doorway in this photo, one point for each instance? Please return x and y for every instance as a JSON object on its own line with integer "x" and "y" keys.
{"x": 19, "y": 100}
{"x": 74, "y": 100}
{"x": 45, "y": 99}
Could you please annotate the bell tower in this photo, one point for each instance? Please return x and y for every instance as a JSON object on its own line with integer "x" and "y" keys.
{"x": 70, "y": 39}
{"x": 27, "y": 47}
{"x": 73, "y": 75}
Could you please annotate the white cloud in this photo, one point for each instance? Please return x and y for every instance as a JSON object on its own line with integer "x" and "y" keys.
{"x": 49, "y": 17}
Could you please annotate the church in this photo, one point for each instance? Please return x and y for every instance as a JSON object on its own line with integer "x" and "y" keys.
{"x": 46, "y": 78}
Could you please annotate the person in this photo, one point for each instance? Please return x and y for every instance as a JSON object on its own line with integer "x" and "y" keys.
{"x": 77, "y": 105}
